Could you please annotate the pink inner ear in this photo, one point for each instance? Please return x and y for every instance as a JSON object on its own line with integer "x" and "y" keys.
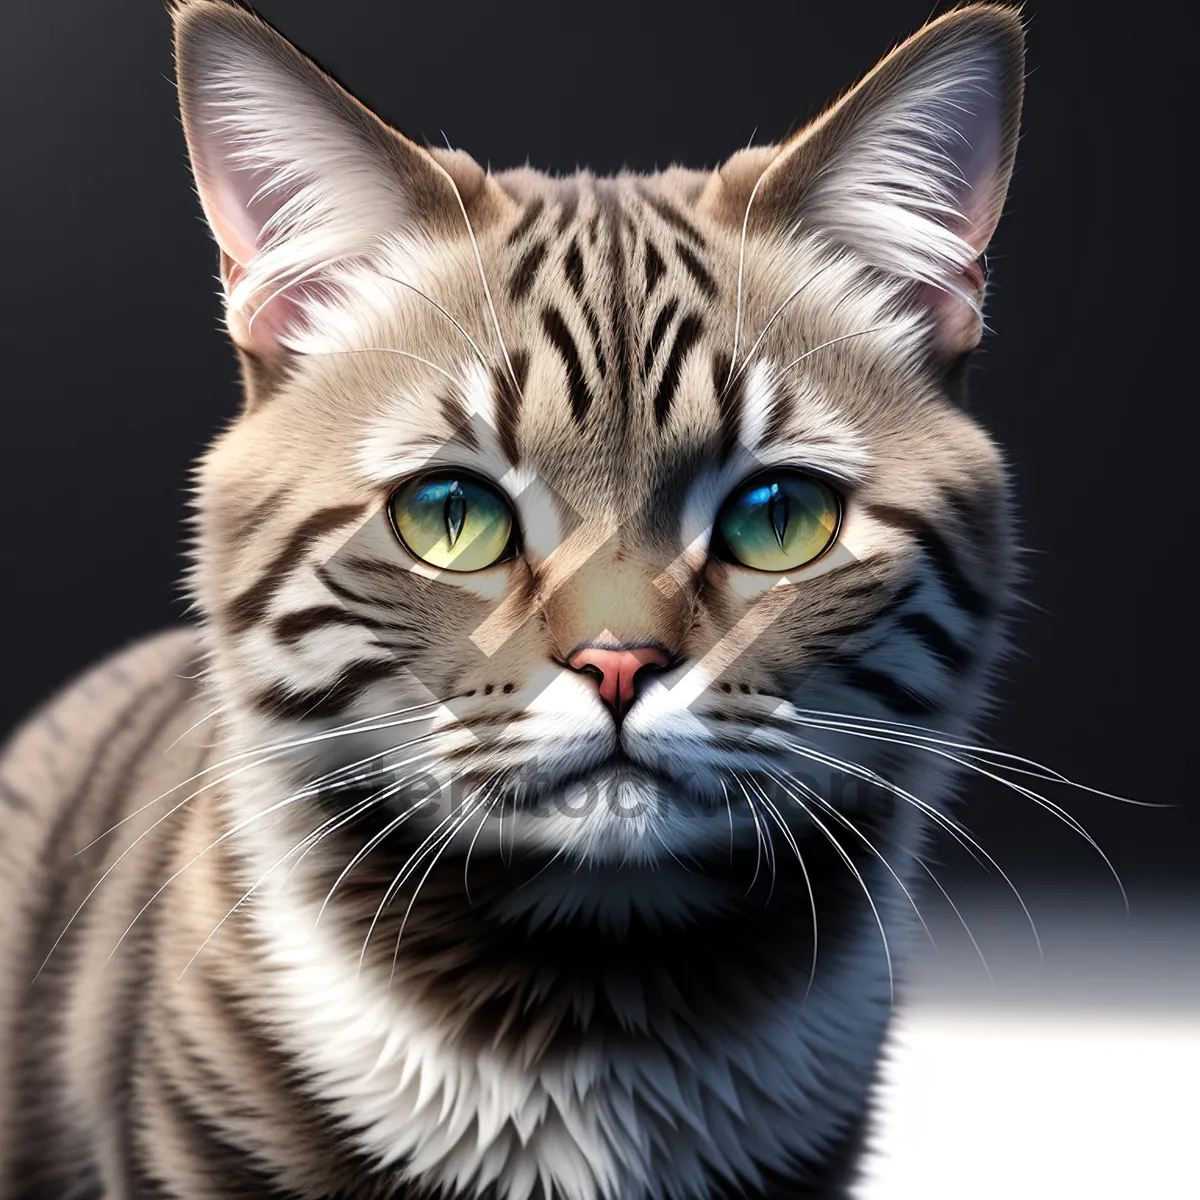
{"x": 975, "y": 150}
{"x": 958, "y": 325}
{"x": 238, "y": 209}
{"x": 236, "y": 227}
{"x": 261, "y": 330}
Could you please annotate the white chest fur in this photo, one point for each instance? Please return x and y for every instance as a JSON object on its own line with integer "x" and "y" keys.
{"x": 658, "y": 1117}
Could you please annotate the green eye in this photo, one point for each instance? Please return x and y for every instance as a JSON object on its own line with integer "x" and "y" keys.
{"x": 452, "y": 522}
{"x": 780, "y": 520}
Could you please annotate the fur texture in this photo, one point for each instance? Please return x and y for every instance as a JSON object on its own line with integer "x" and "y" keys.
{"x": 358, "y": 889}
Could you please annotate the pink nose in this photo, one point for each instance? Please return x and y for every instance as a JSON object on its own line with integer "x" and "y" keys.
{"x": 616, "y": 671}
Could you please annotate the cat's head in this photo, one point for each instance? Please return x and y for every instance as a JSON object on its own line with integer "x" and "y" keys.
{"x": 616, "y": 501}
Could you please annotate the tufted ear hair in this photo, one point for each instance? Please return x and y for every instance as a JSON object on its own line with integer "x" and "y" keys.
{"x": 297, "y": 177}
{"x": 908, "y": 170}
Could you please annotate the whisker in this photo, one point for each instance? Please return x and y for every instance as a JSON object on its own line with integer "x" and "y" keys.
{"x": 737, "y": 320}
{"x": 294, "y": 797}
{"x": 405, "y": 871}
{"x": 487, "y": 291}
{"x": 467, "y": 865}
{"x": 313, "y": 839}
{"x": 241, "y": 826}
{"x": 191, "y": 729}
{"x": 453, "y": 321}
{"x": 378, "y": 837}
{"x": 447, "y": 839}
{"x": 841, "y": 817}
{"x": 926, "y": 733}
{"x": 845, "y": 337}
{"x": 775, "y": 317}
{"x": 946, "y": 822}
{"x": 841, "y": 852}
{"x": 729, "y": 810}
{"x": 389, "y": 350}
{"x": 961, "y": 919}
{"x": 760, "y": 841}
{"x": 812, "y": 899}
{"x": 270, "y": 753}
{"x": 1049, "y": 805}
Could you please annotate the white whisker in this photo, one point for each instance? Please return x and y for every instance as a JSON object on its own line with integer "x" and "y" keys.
{"x": 737, "y": 319}
{"x": 449, "y": 317}
{"x": 926, "y": 733}
{"x": 1049, "y": 805}
{"x": 841, "y": 852}
{"x": 841, "y": 817}
{"x": 946, "y": 822}
{"x": 270, "y": 753}
{"x": 845, "y": 337}
{"x": 775, "y": 317}
{"x": 961, "y": 919}
{"x": 487, "y": 291}
{"x": 812, "y": 899}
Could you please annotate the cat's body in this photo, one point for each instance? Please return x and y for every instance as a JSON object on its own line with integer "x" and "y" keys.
{"x": 603, "y": 978}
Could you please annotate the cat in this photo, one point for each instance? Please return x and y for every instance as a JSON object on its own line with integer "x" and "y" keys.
{"x": 534, "y": 809}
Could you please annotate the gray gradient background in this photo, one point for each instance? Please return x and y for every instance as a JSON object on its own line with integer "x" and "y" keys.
{"x": 115, "y": 376}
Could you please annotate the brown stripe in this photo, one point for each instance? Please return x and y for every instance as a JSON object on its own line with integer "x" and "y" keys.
{"x": 567, "y": 210}
{"x": 522, "y": 227}
{"x": 13, "y": 798}
{"x": 935, "y": 547}
{"x": 252, "y": 604}
{"x": 508, "y": 403}
{"x": 685, "y": 339}
{"x": 293, "y": 626}
{"x": 573, "y": 268}
{"x": 594, "y": 329}
{"x": 898, "y": 697}
{"x": 697, "y": 270}
{"x": 621, "y": 315}
{"x": 525, "y": 274}
{"x": 317, "y": 703}
{"x": 249, "y": 523}
{"x": 730, "y": 402}
{"x": 655, "y": 268}
{"x": 674, "y": 218}
{"x": 936, "y": 640}
{"x": 560, "y": 337}
{"x": 457, "y": 418}
{"x": 781, "y": 410}
{"x": 658, "y": 333}
{"x": 340, "y": 589}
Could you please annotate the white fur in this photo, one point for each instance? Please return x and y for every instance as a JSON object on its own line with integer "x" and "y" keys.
{"x": 595, "y": 1126}
{"x": 288, "y": 187}
{"x": 894, "y": 191}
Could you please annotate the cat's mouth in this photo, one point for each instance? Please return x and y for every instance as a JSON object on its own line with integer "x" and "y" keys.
{"x": 619, "y": 782}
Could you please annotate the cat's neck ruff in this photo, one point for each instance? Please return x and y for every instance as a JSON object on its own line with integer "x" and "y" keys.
{"x": 662, "y": 1111}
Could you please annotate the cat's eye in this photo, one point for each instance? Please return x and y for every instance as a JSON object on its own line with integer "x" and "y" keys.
{"x": 455, "y": 522}
{"x": 779, "y": 520}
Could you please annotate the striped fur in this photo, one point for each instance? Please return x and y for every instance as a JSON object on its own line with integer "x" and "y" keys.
{"x": 231, "y": 963}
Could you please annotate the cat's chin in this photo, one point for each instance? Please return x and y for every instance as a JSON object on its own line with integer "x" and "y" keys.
{"x": 620, "y": 815}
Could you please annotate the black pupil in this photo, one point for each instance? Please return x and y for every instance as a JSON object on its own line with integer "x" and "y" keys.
{"x": 454, "y": 512}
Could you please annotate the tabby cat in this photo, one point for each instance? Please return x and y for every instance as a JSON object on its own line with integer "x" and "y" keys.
{"x": 534, "y": 809}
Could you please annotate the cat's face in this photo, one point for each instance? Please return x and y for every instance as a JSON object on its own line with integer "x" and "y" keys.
{"x": 586, "y": 498}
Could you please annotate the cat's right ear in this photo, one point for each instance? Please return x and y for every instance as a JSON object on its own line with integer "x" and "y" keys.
{"x": 297, "y": 177}
{"x": 908, "y": 171}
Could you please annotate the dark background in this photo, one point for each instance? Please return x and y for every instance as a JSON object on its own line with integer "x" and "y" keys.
{"x": 115, "y": 373}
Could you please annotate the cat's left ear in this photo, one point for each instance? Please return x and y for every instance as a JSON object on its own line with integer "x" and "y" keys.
{"x": 298, "y": 179}
{"x": 908, "y": 171}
